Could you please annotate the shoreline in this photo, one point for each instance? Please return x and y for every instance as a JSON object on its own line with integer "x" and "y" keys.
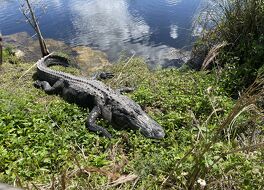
{"x": 89, "y": 58}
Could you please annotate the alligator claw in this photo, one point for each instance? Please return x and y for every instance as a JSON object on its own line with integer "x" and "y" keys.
{"x": 103, "y": 76}
{"x": 106, "y": 134}
{"x": 37, "y": 84}
{"x": 106, "y": 75}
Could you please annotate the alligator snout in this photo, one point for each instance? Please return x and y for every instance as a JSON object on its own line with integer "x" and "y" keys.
{"x": 150, "y": 128}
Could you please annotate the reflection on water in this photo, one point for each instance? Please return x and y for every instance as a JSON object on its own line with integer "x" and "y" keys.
{"x": 149, "y": 28}
{"x": 110, "y": 25}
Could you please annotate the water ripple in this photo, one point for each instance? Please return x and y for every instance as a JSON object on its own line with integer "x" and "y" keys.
{"x": 151, "y": 28}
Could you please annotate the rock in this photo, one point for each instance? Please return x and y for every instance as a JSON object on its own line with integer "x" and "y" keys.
{"x": 87, "y": 59}
{"x": 19, "y": 54}
{"x": 30, "y": 47}
{"x": 90, "y": 60}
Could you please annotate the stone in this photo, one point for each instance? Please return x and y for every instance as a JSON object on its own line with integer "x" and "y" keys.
{"x": 19, "y": 54}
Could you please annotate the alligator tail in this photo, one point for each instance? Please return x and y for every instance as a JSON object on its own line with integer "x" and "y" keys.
{"x": 54, "y": 59}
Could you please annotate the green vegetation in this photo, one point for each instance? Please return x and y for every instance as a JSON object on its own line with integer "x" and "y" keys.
{"x": 44, "y": 143}
{"x": 239, "y": 23}
{"x": 212, "y": 141}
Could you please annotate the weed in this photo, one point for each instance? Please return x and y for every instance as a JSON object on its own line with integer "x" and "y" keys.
{"x": 239, "y": 24}
{"x": 44, "y": 143}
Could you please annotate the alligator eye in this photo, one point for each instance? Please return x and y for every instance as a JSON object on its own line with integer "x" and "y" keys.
{"x": 124, "y": 111}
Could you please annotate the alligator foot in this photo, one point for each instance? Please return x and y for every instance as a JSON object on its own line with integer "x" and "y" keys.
{"x": 125, "y": 90}
{"x": 91, "y": 125}
{"x": 103, "y": 76}
{"x": 59, "y": 85}
{"x": 37, "y": 84}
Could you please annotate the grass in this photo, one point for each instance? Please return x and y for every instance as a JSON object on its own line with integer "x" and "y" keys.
{"x": 239, "y": 24}
{"x": 45, "y": 145}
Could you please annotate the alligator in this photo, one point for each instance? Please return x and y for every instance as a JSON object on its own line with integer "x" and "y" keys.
{"x": 104, "y": 102}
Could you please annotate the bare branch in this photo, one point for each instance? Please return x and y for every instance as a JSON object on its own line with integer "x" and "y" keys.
{"x": 28, "y": 11}
{"x": 28, "y": 20}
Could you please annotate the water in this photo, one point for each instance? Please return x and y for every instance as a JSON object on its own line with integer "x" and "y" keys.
{"x": 154, "y": 29}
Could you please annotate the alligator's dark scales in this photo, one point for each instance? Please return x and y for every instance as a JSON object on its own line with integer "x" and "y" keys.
{"x": 103, "y": 102}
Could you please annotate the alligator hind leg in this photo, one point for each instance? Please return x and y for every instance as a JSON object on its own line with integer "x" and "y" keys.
{"x": 48, "y": 88}
{"x": 91, "y": 125}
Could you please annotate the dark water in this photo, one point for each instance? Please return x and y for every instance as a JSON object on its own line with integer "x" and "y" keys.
{"x": 154, "y": 29}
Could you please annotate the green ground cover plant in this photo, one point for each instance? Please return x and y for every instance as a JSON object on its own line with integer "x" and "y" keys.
{"x": 212, "y": 141}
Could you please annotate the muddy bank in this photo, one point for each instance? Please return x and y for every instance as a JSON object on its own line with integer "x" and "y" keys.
{"x": 88, "y": 59}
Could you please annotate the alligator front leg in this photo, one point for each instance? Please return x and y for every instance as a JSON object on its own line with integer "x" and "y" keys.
{"x": 103, "y": 76}
{"x": 48, "y": 88}
{"x": 91, "y": 122}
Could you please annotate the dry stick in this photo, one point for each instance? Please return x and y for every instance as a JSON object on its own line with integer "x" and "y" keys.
{"x": 123, "y": 179}
{"x": 1, "y": 50}
{"x": 212, "y": 54}
{"x": 124, "y": 67}
{"x": 135, "y": 183}
{"x": 253, "y": 134}
{"x": 197, "y": 125}
{"x": 42, "y": 43}
{"x": 27, "y": 71}
{"x": 214, "y": 112}
{"x": 35, "y": 186}
{"x": 246, "y": 108}
{"x": 212, "y": 104}
{"x": 63, "y": 180}
{"x": 52, "y": 183}
{"x": 29, "y": 68}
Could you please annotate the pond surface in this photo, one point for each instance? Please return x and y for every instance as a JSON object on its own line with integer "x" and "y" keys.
{"x": 154, "y": 29}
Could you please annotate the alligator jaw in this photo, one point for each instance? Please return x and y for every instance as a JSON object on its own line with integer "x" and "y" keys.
{"x": 149, "y": 128}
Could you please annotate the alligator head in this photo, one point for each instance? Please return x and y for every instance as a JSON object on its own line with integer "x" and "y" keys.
{"x": 129, "y": 114}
